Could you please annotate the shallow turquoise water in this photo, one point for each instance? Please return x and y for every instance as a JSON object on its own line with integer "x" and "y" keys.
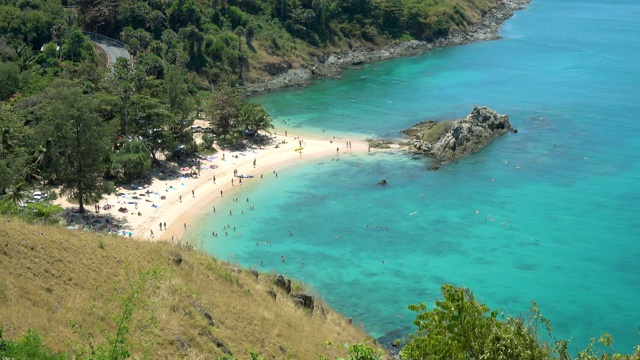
{"x": 564, "y": 200}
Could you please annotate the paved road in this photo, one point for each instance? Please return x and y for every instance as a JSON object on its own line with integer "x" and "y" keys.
{"x": 114, "y": 52}
{"x": 112, "y": 47}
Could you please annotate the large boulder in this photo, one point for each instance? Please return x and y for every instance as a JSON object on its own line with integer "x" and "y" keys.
{"x": 467, "y": 135}
{"x": 283, "y": 283}
{"x": 303, "y": 300}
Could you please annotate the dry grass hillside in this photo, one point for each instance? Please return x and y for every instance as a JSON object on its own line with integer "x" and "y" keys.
{"x": 74, "y": 286}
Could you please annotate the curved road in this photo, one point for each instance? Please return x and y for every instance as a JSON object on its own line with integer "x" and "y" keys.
{"x": 112, "y": 47}
{"x": 113, "y": 52}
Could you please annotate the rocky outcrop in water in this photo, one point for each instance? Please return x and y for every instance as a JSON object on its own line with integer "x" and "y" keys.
{"x": 332, "y": 65}
{"x": 465, "y": 136}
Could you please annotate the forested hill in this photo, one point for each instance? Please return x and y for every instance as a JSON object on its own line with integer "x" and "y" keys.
{"x": 247, "y": 39}
{"x": 232, "y": 40}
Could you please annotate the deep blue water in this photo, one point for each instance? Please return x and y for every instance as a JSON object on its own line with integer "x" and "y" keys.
{"x": 564, "y": 197}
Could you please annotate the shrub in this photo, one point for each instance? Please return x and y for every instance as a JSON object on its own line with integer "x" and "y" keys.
{"x": 207, "y": 142}
{"x": 435, "y": 133}
{"x": 28, "y": 346}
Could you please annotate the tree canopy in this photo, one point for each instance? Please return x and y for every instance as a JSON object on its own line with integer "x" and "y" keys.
{"x": 459, "y": 327}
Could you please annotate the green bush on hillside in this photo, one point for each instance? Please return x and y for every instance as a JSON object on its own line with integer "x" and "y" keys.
{"x": 29, "y": 346}
{"x": 436, "y": 132}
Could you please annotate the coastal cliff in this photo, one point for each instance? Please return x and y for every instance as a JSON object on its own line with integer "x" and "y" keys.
{"x": 332, "y": 65}
{"x": 449, "y": 141}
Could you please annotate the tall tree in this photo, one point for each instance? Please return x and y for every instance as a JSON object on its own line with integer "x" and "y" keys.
{"x": 181, "y": 107}
{"x": 81, "y": 142}
{"x": 223, "y": 108}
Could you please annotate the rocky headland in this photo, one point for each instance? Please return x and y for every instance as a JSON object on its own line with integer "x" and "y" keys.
{"x": 332, "y": 65}
{"x": 449, "y": 141}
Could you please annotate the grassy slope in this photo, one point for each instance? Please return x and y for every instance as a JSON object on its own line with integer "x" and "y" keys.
{"x": 53, "y": 278}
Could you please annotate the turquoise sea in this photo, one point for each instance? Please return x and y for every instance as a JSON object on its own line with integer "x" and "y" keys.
{"x": 559, "y": 223}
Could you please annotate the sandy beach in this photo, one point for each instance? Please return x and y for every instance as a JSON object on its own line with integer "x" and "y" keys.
{"x": 176, "y": 201}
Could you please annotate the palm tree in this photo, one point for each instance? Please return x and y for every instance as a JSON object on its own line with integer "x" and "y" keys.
{"x": 255, "y": 118}
{"x": 18, "y": 192}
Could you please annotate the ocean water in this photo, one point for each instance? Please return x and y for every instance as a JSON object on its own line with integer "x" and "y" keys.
{"x": 550, "y": 214}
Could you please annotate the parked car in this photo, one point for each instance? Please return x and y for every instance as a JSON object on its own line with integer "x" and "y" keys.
{"x": 37, "y": 196}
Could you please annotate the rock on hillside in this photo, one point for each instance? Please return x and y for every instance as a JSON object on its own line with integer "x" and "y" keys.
{"x": 466, "y": 136}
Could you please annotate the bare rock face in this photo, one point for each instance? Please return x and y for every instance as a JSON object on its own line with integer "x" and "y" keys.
{"x": 467, "y": 135}
{"x": 283, "y": 283}
{"x": 304, "y": 300}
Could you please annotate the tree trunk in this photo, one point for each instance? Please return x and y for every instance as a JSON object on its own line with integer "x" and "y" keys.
{"x": 79, "y": 176}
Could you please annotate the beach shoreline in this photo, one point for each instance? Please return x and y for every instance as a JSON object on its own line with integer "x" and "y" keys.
{"x": 163, "y": 210}
{"x": 268, "y": 163}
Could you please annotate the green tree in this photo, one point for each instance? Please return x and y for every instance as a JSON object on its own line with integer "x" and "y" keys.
{"x": 131, "y": 161}
{"x": 458, "y": 327}
{"x": 240, "y": 31}
{"x": 180, "y": 105}
{"x": 15, "y": 147}
{"x": 254, "y": 118}
{"x": 18, "y": 192}
{"x": 81, "y": 142}
{"x": 183, "y": 13}
{"x": 77, "y": 46}
{"x": 222, "y": 110}
{"x": 9, "y": 80}
{"x": 150, "y": 120}
{"x": 123, "y": 84}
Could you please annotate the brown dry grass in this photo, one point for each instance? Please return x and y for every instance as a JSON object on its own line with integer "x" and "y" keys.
{"x": 67, "y": 284}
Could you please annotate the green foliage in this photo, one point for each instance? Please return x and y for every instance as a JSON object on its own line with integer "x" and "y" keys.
{"x": 18, "y": 192}
{"x": 9, "y": 80}
{"x": 605, "y": 350}
{"x": 362, "y": 351}
{"x": 458, "y": 327}
{"x": 254, "y": 118}
{"x": 80, "y": 141}
{"x": 435, "y": 133}
{"x": 222, "y": 110}
{"x": 44, "y": 212}
{"x": 359, "y": 351}
{"x": 207, "y": 142}
{"x": 132, "y": 161}
{"x": 29, "y": 346}
{"x": 254, "y": 355}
